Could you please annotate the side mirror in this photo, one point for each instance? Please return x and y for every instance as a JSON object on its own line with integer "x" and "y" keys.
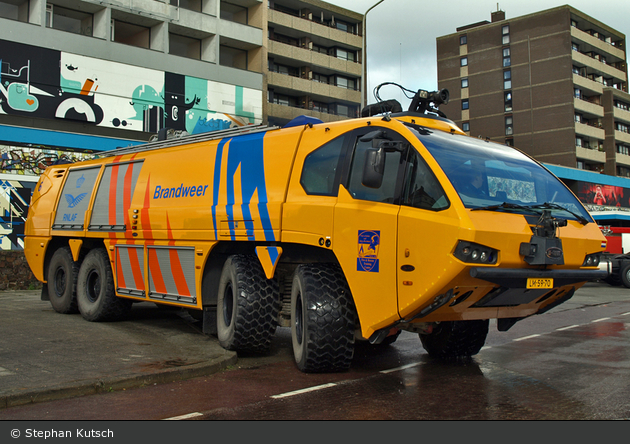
{"x": 373, "y": 168}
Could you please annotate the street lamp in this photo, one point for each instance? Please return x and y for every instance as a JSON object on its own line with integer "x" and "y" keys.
{"x": 364, "y": 99}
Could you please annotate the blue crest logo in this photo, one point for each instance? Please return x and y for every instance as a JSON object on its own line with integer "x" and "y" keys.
{"x": 74, "y": 201}
{"x": 80, "y": 181}
{"x": 368, "y": 244}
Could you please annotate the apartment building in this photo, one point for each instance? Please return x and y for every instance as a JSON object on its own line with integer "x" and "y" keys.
{"x": 552, "y": 83}
{"x": 81, "y": 76}
{"x": 314, "y": 61}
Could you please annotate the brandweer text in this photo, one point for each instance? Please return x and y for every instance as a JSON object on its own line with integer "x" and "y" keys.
{"x": 181, "y": 191}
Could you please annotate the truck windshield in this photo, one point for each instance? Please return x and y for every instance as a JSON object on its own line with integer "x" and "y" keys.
{"x": 495, "y": 177}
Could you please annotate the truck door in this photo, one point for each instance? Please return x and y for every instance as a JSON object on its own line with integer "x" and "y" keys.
{"x": 365, "y": 231}
{"x": 428, "y": 228}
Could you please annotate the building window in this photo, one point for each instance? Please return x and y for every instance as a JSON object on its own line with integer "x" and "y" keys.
{"x": 507, "y": 61}
{"x": 623, "y": 149}
{"x": 508, "y": 101}
{"x": 578, "y": 142}
{"x": 463, "y": 61}
{"x": 192, "y": 5}
{"x": 509, "y": 142}
{"x": 235, "y": 58}
{"x": 14, "y": 10}
{"x": 183, "y": 46}
{"x": 234, "y": 13}
{"x": 505, "y": 32}
{"x": 574, "y": 23}
{"x": 344, "y": 82}
{"x": 575, "y": 47}
{"x": 465, "y": 104}
{"x": 578, "y": 118}
{"x": 466, "y": 126}
{"x": 69, "y": 20}
{"x": 577, "y": 93}
{"x": 463, "y": 39}
{"x": 465, "y": 82}
{"x": 509, "y": 127}
{"x": 621, "y": 127}
{"x": 345, "y": 54}
{"x": 507, "y": 79}
{"x": 131, "y": 34}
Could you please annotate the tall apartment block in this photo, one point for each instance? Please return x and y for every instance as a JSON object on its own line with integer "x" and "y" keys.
{"x": 314, "y": 61}
{"x": 553, "y": 84}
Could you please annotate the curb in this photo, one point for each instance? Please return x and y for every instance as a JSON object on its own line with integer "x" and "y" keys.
{"x": 116, "y": 384}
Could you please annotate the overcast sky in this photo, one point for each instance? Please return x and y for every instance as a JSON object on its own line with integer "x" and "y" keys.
{"x": 402, "y": 33}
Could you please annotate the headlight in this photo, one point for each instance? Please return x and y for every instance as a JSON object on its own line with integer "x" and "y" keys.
{"x": 472, "y": 253}
{"x": 591, "y": 260}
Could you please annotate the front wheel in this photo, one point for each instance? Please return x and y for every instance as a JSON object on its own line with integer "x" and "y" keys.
{"x": 625, "y": 276}
{"x": 323, "y": 319}
{"x": 456, "y": 339}
{"x": 62, "y": 281}
{"x": 96, "y": 294}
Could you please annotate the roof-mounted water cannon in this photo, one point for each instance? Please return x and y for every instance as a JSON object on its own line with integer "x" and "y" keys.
{"x": 422, "y": 101}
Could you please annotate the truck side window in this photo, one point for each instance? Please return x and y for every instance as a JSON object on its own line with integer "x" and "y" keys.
{"x": 320, "y": 168}
{"x": 387, "y": 192}
{"x": 422, "y": 189}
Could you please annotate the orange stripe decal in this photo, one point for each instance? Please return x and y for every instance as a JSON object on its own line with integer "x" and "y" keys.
{"x": 156, "y": 273}
{"x": 120, "y": 276}
{"x": 135, "y": 268}
{"x": 176, "y": 265}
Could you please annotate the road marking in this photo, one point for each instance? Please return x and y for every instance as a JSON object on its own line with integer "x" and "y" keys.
{"x": 306, "y": 390}
{"x": 566, "y": 328}
{"x": 625, "y": 314}
{"x": 179, "y": 418}
{"x": 402, "y": 367}
{"x": 599, "y": 320}
{"x": 526, "y": 337}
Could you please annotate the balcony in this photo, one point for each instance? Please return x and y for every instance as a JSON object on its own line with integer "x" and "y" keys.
{"x": 622, "y": 137}
{"x": 601, "y": 67}
{"x": 591, "y": 132}
{"x": 621, "y": 114}
{"x": 587, "y": 84}
{"x": 585, "y": 106}
{"x": 588, "y": 154}
{"x": 602, "y": 46}
{"x": 291, "y": 112}
{"x": 310, "y": 87}
{"x": 313, "y": 58}
{"x": 316, "y": 28}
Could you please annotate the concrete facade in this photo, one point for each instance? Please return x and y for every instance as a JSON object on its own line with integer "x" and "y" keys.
{"x": 553, "y": 84}
{"x": 313, "y": 61}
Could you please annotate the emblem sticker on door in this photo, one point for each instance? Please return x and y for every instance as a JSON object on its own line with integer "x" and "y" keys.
{"x": 368, "y": 243}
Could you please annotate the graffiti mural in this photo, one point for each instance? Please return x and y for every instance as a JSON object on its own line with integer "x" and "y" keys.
{"x": 33, "y": 161}
{"x": 43, "y": 83}
{"x": 15, "y": 196}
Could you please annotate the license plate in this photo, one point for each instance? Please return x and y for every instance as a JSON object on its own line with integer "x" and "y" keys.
{"x": 539, "y": 282}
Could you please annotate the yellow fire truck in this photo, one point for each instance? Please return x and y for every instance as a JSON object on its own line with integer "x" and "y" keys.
{"x": 346, "y": 231}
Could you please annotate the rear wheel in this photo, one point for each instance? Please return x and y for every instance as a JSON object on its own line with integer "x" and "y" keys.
{"x": 456, "y": 339}
{"x": 96, "y": 294}
{"x": 322, "y": 319}
{"x": 247, "y": 306}
{"x": 62, "y": 281}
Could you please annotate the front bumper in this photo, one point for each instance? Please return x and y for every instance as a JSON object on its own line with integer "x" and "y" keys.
{"x": 517, "y": 277}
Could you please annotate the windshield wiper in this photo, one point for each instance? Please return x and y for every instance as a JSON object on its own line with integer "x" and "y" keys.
{"x": 533, "y": 208}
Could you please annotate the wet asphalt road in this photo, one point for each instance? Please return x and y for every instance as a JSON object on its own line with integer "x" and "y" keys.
{"x": 572, "y": 363}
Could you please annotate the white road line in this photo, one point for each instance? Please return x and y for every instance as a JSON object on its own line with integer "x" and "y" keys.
{"x": 306, "y": 390}
{"x": 625, "y": 314}
{"x": 566, "y": 328}
{"x": 403, "y": 367}
{"x": 599, "y": 320}
{"x": 179, "y": 418}
{"x": 526, "y": 337}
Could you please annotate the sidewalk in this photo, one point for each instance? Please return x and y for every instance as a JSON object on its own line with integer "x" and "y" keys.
{"x": 45, "y": 355}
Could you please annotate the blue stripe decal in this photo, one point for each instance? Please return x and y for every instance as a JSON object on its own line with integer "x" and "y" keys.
{"x": 247, "y": 152}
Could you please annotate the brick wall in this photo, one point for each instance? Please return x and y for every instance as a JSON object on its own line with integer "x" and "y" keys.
{"x": 15, "y": 274}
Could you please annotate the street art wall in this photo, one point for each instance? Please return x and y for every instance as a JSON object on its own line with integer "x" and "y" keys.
{"x": 44, "y": 83}
{"x": 49, "y": 84}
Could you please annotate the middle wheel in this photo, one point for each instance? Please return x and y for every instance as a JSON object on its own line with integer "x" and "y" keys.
{"x": 247, "y": 307}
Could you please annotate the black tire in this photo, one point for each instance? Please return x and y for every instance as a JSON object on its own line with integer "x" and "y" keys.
{"x": 323, "y": 319}
{"x": 456, "y": 339}
{"x": 247, "y": 307}
{"x": 625, "y": 276}
{"x": 62, "y": 281}
{"x": 96, "y": 293}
